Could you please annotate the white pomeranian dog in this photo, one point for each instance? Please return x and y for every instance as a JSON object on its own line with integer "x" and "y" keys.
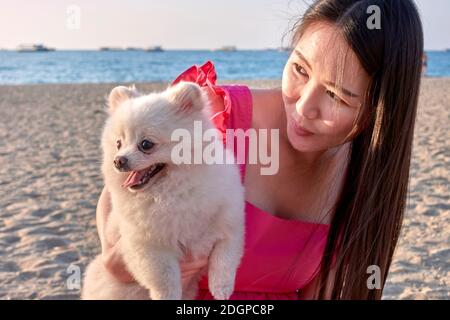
{"x": 165, "y": 210}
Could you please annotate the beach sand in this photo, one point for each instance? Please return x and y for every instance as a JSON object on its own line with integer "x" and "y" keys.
{"x": 50, "y": 181}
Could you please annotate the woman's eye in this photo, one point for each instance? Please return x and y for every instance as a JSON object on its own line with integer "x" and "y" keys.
{"x": 300, "y": 70}
{"x": 146, "y": 144}
{"x": 118, "y": 144}
{"x": 334, "y": 96}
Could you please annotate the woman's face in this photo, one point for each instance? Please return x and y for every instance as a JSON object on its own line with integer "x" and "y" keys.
{"x": 321, "y": 113}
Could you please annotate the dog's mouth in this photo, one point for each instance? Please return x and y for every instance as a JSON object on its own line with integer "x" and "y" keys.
{"x": 138, "y": 179}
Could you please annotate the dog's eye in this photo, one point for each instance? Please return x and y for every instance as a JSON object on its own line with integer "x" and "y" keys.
{"x": 119, "y": 144}
{"x": 146, "y": 144}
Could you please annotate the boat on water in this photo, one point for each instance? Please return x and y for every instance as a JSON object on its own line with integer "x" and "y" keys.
{"x": 110, "y": 49}
{"x": 154, "y": 49}
{"x": 133, "y": 49}
{"x": 227, "y": 49}
{"x": 33, "y": 48}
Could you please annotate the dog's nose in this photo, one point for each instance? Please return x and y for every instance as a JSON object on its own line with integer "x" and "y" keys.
{"x": 120, "y": 162}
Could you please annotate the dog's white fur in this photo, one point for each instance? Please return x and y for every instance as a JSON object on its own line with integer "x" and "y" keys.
{"x": 197, "y": 208}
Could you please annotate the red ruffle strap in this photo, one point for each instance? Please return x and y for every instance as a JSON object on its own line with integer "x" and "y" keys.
{"x": 205, "y": 76}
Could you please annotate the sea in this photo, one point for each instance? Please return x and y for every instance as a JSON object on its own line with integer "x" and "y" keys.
{"x": 118, "y": 66}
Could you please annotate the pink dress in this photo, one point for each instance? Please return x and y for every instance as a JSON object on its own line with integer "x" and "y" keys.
{"x": 280, "y": 256}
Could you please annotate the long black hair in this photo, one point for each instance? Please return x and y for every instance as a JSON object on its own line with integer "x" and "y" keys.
{"x": 368, "y": 214}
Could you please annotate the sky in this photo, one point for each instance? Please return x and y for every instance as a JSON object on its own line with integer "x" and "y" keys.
{"x": 173, "y": 24}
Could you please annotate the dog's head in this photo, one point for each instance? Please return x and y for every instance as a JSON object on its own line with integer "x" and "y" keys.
{"x": 136, "y": 140}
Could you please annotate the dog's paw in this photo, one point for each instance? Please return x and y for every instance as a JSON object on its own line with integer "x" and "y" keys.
{"x": 221, "y": 291}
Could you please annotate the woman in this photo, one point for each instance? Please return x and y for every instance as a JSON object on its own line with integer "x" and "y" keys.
{"x": 346, "y": 114}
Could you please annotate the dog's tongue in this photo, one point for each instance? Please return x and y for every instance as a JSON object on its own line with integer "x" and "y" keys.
{"x": 133, "y": 178}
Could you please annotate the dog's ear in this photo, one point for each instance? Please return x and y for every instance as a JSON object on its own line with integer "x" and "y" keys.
{"x": 120, "y": 94}
{"x": 186, "y": 96}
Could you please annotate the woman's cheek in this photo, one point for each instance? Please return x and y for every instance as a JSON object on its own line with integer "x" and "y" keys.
{"x": 292, "y": 83}
{"x": 289, "y": 90}
{"x": 340, "y": 124}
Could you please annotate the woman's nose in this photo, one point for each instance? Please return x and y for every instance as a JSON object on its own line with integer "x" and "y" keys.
{"x": 308, "y": 103}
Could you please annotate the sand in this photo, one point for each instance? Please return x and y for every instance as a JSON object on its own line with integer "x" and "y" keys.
{"x": 50, "y": 182}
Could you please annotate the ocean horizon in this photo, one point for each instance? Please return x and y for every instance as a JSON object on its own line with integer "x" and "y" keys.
{"x": 120, "y": 66}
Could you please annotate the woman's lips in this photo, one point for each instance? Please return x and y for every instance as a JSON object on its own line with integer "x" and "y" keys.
{"x": 301, "y": 131}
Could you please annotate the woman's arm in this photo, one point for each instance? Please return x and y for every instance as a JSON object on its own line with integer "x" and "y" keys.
{"x": 109, "y": 240}
{"x": 102, "y": 215}
{"x": 267, "y": 107}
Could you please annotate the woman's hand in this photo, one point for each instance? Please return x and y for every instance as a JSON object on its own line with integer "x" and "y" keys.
{"x": 113, "y": 260}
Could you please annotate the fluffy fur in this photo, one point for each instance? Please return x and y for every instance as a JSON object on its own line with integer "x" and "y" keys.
{"x": 197, "y": 208}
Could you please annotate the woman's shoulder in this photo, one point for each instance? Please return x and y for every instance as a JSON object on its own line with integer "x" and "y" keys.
{"x": 246, "y": 107}
{"x": 265, "y": 103}
{"x": 270, "y": 97}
